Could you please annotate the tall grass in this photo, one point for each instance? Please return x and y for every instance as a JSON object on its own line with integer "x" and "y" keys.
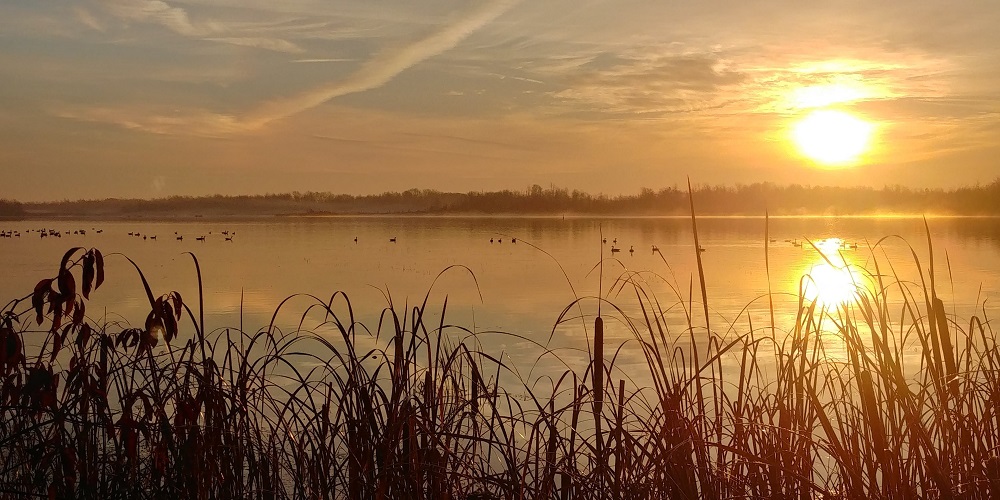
{"x": 831, "y": 407}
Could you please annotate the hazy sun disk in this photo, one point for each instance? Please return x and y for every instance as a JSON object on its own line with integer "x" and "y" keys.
{"x": 832, "y": 137}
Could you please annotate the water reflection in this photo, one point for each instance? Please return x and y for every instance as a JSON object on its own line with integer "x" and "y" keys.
{"x": 831, "y": 281}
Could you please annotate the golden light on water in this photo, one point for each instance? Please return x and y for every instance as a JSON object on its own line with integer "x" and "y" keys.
{"x": 831, "y": 286}
{"x": 831, "y": 282}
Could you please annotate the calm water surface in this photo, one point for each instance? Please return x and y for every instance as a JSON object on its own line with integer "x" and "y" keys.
{"x": 503, "y": 286}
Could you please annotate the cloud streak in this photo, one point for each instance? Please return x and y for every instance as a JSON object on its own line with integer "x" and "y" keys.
{"x": 179, "y": 21}
{"x": 159, "y": 12}
{"x": 377, "y": 71}
{"x": 382, "y": 68}
{"x": 276, "y": 45}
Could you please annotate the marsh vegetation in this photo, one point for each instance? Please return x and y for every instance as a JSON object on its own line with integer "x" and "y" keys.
{"x": 886, "y": 395}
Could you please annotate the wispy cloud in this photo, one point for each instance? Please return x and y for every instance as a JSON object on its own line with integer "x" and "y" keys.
{"x": 383, "y": 67}
{"x": 158, "y": 12}
{"x": 377, "y": 71}
{"x": 648, "y": 84}
{"x": 322, "y": 60}
{"x": 201, "y": 123}
{"x": 179, "y": 21}
{"x": 88, "y": 19}
{"x": 274, "y": 44}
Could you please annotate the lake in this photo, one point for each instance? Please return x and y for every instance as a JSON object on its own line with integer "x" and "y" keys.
{"x": 494, "y": 284}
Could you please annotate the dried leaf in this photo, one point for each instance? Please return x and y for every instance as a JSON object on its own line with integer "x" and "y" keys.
{"x": 83, "y": 336}
{"x": 88, "y": 274}
{"x": 80, "y": 313}
{"x": 64, "y": 264}
{"x": 67, "y": 284}
{"x": 42, "y": 289}
{"x": 178, "y": 304}
{"x": 169, "y": 324}
{"x": 10, "y": 347}
{"x": 98, "y": 268}
{"x": 57, "y": 342}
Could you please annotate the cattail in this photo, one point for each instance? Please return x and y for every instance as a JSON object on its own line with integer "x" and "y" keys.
{"x": 599, "y": 391}
{"x": 598, "y": 364}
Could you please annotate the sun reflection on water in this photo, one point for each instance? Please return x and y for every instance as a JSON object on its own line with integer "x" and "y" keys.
{"x": 831, "y": 282}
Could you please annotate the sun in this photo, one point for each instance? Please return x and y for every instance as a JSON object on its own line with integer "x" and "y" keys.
{"x": 832, "y": 138}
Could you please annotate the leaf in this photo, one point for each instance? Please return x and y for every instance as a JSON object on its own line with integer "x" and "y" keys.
{"x": 67, "y": 284}
{"x": 149, "y": 336}
{"x": 80, "y": 313}
{"x": 127, "y": 337}
{"x": 178, "y": 303}
{"x": 70, "y": 307}
{"x": 83, "y": 336}
{"x": 57, "y": 342}
{"x": 169, "y": 323}
{"x": 151, "y": 321}
{"x": 10, "y": 347}
{"x": 38, "y": 298}
{"x": 55, "y": 308}
{"x": 88, "y": 274}
{"x": 56, "y": 320}
{"x": 65, "y": 260}
{"x": 98, "y": 268}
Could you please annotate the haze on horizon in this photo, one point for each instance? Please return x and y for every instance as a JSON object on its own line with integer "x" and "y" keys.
{"x": 153, "y": 98}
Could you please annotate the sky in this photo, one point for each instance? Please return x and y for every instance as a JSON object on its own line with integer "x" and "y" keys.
{"x": 153, "y": 98}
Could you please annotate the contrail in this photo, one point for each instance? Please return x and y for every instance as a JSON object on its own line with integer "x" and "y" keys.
{"x": 376, "y": 72}
{"x": 381, "y": 69}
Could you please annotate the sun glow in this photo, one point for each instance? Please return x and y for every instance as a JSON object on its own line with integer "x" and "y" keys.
{"x": 832, "y": 137}
{"x": 830, "y": 285}
{"x": 832, "y": 282}
{"x": 819, "y": 96}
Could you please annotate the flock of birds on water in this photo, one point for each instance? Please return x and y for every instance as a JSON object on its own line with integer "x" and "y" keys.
{"x": 228, "y": 236}
{"x": 53, "y": 233}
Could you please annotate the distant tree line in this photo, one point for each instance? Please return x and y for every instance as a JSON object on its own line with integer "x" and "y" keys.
{"x": 10, "y": 208}
{"x": 740, "y": 199}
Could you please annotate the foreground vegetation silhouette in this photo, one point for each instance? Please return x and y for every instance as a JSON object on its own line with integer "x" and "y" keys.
{"x": 884, "y": 397}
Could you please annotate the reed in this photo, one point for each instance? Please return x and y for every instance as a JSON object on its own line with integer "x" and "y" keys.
{"x": 827, "y": 408}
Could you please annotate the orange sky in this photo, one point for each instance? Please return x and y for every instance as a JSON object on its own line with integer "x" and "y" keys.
{"x": 148, "y": 98}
